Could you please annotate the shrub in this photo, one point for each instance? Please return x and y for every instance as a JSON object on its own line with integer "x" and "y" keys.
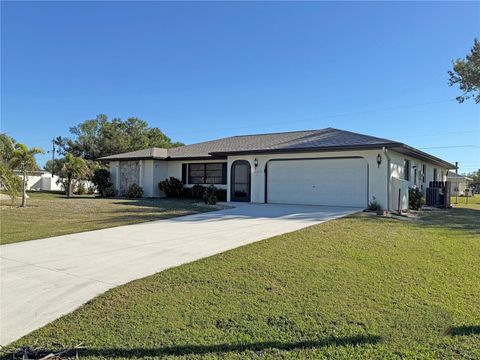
{"x": 209, "y": 195}
{"x": 374, "y": 205}
{"x": 198, "y": 191}
{"x": 172, "y": 187}
{"x": 187, "y": 193}
{"x": 415, "y": 199}
{"x": 221, "y": 194}
{"x": 91, "y": 190}
{"x": 134, "y": 191}
{"x": 81, "y": 189}
{"x": 109, "y": 191}
{"x": 101, "y": 179}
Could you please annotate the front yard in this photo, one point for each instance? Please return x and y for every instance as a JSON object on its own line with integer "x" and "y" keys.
{"x": 51, "y": 214}
{"x": 358, "y": 287}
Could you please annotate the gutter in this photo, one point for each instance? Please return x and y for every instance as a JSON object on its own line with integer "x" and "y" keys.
{"x": 385, "y": 152}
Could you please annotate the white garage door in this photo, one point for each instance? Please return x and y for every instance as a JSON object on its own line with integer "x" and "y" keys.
{"x": 338, "y": 182}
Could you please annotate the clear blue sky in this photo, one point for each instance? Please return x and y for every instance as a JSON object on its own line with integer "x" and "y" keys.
{"x": 201, "y": 71}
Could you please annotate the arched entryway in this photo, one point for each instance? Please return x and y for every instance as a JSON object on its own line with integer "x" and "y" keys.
{"x": 240, "y": 181}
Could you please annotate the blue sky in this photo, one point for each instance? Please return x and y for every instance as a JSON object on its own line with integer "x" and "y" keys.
{"x": 201, "y": 71}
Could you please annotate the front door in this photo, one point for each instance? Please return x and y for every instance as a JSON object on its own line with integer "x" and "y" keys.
{"x": 240, "y": 181}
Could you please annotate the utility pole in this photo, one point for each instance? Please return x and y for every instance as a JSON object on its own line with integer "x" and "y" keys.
{"x": 53, "y": 157}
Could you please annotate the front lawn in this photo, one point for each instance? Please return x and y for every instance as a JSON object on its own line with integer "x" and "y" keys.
{"x": 462, "y": 201}
{"x": 51, "y": 214}
{"x": 358, "y": 287}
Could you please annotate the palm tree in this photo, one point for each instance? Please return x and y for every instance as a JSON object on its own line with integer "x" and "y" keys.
{"x": 23, "y": 158}
{"x": 10, "y": 182}
{"x": 74, "y": 168}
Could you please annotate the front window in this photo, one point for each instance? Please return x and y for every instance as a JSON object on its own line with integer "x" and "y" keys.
{"x": 435, "y": 174}
{"x": 424, "y": 173}
{"x": 406, "y": 170}
{"x": 207, "y": 173}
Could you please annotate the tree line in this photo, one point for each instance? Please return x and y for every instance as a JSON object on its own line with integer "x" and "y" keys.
{"x": 77, "y": 154}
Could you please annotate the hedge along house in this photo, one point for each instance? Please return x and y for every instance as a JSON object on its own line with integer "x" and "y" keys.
{"x": 316, "y": 167}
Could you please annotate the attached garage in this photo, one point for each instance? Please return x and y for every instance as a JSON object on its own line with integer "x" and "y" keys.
{"x": 332, "y": 181}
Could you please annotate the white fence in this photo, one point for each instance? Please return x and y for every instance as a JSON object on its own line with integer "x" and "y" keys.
{"x": 44, "y": 181}
{"x": 399, "y": 194}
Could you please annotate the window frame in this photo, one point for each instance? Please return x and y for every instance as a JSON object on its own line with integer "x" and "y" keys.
{"x": 202, "y": 171}
{"x": 406, "y": 169}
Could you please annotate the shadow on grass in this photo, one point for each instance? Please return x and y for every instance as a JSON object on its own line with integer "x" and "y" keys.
{"x": 456, "y": 219}
{"x": 464, "y": 330}
{"x": 226, "y": 348}
{"x": 185, "y": 350}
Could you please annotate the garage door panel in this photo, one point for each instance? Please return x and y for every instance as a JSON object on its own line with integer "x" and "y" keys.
{"x": 338, "y": 182}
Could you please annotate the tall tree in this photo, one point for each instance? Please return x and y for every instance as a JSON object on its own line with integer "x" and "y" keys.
{"x": 466, "y": 73}
{"x": 10, "y": 181}
{"x": 74, "y": 168}
{"x": 101, "y": 137}
{"x": 23, "y": 159}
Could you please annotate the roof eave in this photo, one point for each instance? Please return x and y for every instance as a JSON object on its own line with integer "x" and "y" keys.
{"x": 306, "y": 150}
{"x": 408, "y": 150}
{"x": 107, "y": 158}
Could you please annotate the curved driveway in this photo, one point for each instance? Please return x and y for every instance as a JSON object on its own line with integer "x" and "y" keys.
{"x": 42, "y": 280}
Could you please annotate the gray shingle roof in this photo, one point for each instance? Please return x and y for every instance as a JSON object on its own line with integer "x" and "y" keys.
{"x": 287, "y": 141}
{"x": 295, "y": 141}
{"x": 454, "y": 175}
{"x": 150, "y": 153}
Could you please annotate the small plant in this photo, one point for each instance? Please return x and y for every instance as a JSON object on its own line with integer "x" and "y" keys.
{"x": 374, "y": 205}
{"x": 415, "y": 198}
{"x": 198, "y": 191}
{"x": 172, "y": 187}
{"x": 102, "y": 180}
{"x": 134, "y": 191}
{"x": 109, "y": 191}
{"x": 209, "y": 195}
{"x": 81, "y": 189}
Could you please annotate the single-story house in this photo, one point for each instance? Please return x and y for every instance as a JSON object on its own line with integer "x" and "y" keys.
{"x": 458, "y": 183}
{"x": 313, "y": 167}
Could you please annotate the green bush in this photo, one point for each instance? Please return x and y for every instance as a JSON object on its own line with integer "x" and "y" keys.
{"x": 109, "y": 191}
{"x": 415, "y": 199}
{"x": 172, "y": 187}
{"x": 209, "y": 195}
{"x": 102, "y": 180}
{"x": 134, "y": 191}
{"x": 221, "y": 194}
{"x": 374, "y": 205}
{"x": 198, "y": 191}
{"x": 187, "y": 193}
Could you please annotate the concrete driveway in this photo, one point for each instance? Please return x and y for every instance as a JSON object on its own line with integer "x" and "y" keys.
{"x": 42, "y": 280}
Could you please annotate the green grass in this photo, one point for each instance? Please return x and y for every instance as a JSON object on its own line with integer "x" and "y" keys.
{"x": 470, "y": 202}
{"x": 358, "y": 287}
{"x": 52, "y": 214}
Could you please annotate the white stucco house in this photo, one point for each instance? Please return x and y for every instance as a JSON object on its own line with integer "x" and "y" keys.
{"x": 458, "y": 183}
{"x": 315, "y": 167}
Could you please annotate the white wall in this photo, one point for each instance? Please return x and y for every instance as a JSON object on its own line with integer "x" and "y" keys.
{"x": 377, "y": 186}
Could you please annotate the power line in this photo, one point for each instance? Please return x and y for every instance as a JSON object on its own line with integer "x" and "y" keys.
{"x": 451, "y": 147}
{"x": 317, "y": 117}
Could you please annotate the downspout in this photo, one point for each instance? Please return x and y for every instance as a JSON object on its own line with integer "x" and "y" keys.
{"x": 388, "y": 177}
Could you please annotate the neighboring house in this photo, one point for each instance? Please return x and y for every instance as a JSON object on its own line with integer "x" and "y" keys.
{"x": 317, "y": 167}
{"x": 458, "y": 183}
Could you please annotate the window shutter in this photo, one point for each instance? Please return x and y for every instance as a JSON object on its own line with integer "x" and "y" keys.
{"x": 184, "y": 173}
{"x": 224, "y": 173}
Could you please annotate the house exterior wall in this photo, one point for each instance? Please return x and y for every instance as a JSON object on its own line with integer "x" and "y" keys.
{"x": 397, "y": 170}
{"x": 377, "y": 183}
{"x": 384, "y": 180}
